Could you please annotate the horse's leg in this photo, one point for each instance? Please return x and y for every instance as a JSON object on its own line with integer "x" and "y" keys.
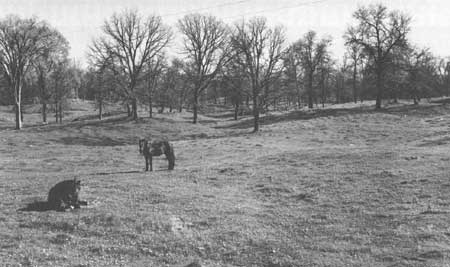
{"x": 151, "y": 163}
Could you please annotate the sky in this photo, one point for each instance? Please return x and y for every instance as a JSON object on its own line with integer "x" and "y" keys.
{"x": 80, "y": 21}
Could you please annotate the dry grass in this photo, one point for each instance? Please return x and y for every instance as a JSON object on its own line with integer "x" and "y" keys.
{"x": 337, "y": 187}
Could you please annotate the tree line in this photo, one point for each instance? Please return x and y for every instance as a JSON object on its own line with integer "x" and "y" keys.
{"x": 248, "y": 65}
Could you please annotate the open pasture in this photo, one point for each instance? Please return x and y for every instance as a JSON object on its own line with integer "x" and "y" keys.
{"x": 334, "y": 187}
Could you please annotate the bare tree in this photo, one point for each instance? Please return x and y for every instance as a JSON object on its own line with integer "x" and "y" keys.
{"x": 183, "y": 85}
{"x": 56, "y": 50}
{"x": 378, "y": 33}
{"x": 324, "y": 72}
{"x": 152, "y": 76}
{"x": 356, "y": 56}
{"x": 421, "y": 69}
{"x": 235, "y": 83}
{"x": 293, "y": 74}
{"x": 22, "y": 41}
{"x": 312, "y": 53}
{"x": 205, "y": 44}
{"x": 165, "y": 91}
{"x": 259, "y": 51}
{"x": 131, "y": 41}
{"x": 340, "y": 79}
{"x": 443, "y": 69}
{"x": 61, "y": 79}
{"x": 102, "y": 83}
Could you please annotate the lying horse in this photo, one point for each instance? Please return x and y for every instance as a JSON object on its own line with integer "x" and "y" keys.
{"x": 65, "y": 195}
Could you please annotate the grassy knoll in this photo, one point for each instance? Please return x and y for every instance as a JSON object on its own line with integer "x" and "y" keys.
{"x": 336, "y": 187}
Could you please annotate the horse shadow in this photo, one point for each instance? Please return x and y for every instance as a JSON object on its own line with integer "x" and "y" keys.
{"x": 111, "y": 173}
{"x": 41, "y": 206}
{"x": 129, "y": 172}
{"x": 37, "y": 206}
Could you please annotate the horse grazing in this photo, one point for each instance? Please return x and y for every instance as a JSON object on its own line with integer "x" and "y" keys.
{"x": 154, "y": 149}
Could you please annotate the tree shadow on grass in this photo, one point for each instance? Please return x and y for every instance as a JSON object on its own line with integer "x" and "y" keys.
{"x": 419, "y": 110}
{"x": 105, "y": 115}
{"x": 75, "y": 124}
{"x": 39, "y": 127}
{"x": 230, "y": 114}
{"x": 442, "y": 101}
{"x": 300, "y": 115}
{"x": 223, "y": 115}
{"x": 438, "y": 142}
{"x": 107, "y": 123}
{"x": 294, "y": 116}
{"x": 88, "y": 140}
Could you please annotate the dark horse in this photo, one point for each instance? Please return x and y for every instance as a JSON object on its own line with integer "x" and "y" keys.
{"x": 64, "y": 195}
{"x": 156, "y": 148}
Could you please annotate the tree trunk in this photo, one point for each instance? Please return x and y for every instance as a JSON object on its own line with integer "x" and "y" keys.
{"x": 180, "y": 104}
{"x": 323, "y": 97}
{"x": 195, "y": 107}
{"x": 395, "y": 96}
{"x": 236, "y": 110}
{"x": 60, "y": 112}
{"x": 56, "y": 111}
{"x": 17, "y": 97}
{"x": 181, "y": 100}
{"x": 195, "y": 113}
{"x": 310, "y": 89}
{"x": 44, "y": 112}
{"x": 338, "y": 90}
{"x": 21, "y": 113}
{"x": 100, "y": 109}
{"x": 361, "y": 91}
{"x": 355, "y": 93}
{"x": 150, "y": 107}
{"x": 448, "y": 89}
{"x": 297, "y": 91}
{"x": 310, "y": 100}
{"x": 255, "y": 112}
{"x": 134, "y": 108}
{"x": 41, "y": 82}
{"x": 255, "y": 118}
{"x": 128, "y": 110}
{"x": 18, "y": 112}
{"x": 379, "y": 88}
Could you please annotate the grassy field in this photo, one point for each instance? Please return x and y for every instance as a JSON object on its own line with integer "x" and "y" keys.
{"x": 341, "y": 186}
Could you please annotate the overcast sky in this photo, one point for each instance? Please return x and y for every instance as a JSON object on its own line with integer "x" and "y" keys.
{"x": 80, "y": 20}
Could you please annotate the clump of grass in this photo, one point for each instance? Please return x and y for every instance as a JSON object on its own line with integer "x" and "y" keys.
{"x": 62, "y": 226}
{"x": 103, "y": 220}
{"x": 61, "y": 239}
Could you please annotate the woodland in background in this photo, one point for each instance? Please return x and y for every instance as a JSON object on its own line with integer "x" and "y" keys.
{"x": 247, "y": 65}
